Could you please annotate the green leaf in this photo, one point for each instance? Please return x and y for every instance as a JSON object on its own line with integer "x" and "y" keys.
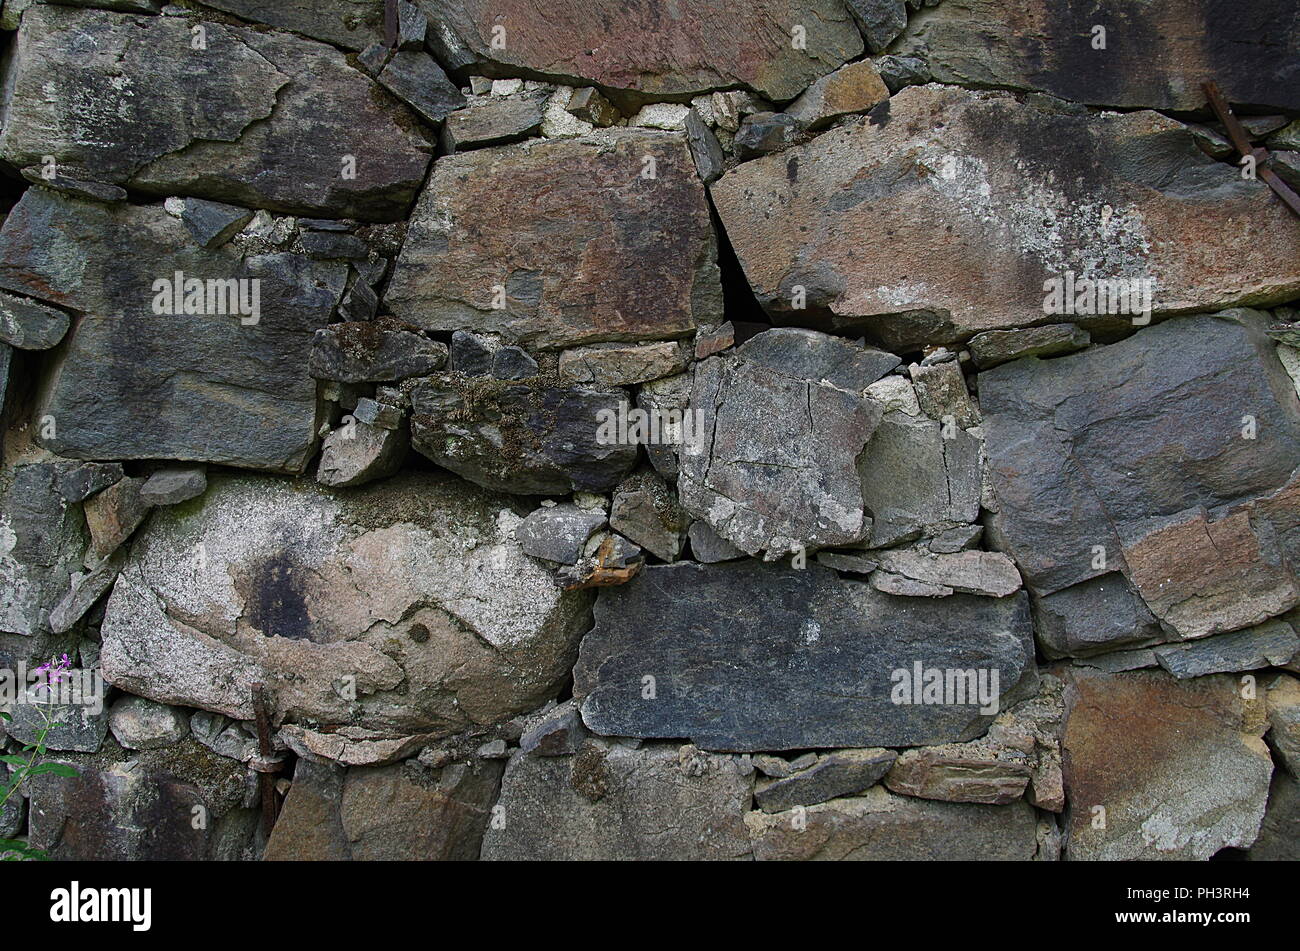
{"x": 5, "y": 716}
{"x": 58, "y": 769}
{"x": 13, "y": 760}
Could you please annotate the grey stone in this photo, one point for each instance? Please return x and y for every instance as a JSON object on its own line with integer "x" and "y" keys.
{"x": 784, "y": 423}
{"x": 512, "y": 363}
{"x": 705, "y": 148}
{"x": 823, "y": 659}
{"x": 494, "y": 120}
{"x": 140, "y": 724}
{"x": 418, "y": 80}
{"x": 850, "y": 90}
{"x": 848, "y": 563}
{"x": 879, "y": 826}
{"x": 881, "y": 21}
{"x": 74, "y": 726}
{"x": 1283, "y": 703}
{"x": 942, "y": 395}
{"x": 901, "y": 71}
{"x": 1273, "y": 643}
{"x": 357, "y": 453}
{"x": 332, "y": 246}
{"x": 173, "y": 486}
{"x": 472, "y": 353}
{"x": 1279, "y": 833}
{"x": 1093, "y": 616}
{"x": 765, "y": 132}
{"x": 28, "y": 325}
{"x": 560, "y": 733}
{"x": 841, "y": 773}
{"x": 79, "y": 480}
{"x": 414, "y": 591}
{"x": 271, "y": 86}
{"x": 113, "y": 515}
{"x": 887, "y": 582}
{"x": 412, "y": 26}
{"x": 375, "y": 413}
{"x": 688, "y": 805}
{"x": 708, "y": 547}
{"x": 1287, "y": 167}
{"x": 351, "y": 24}
{"x": 224, "y": 736}
{"x": 130, "y": 383}
{"x": 589, "y": 105}
{"x": 94, "y": 191}
{"x": 1120, "y": 661}
{"x": 646, "y": 511}
{"x": 987, "y": 573}
{"x": 522, "y": 437}
{"x": 617, "y": 364}
{"x": 1286, "y": 139}
{"x": 559, "y": 533}
{"x": 668, "y": 401}
{"x": 373, "y": 352}
{"x": 211, "y": 223}
{"x": 960, "y": 538}
{"x": 1002, "y": 346}
{"x": 85, "y": 592}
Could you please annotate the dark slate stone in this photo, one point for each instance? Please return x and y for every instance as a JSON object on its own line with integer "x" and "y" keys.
{"x": 493, "y": 121}
{"x": 705, "y": 148}
{"x": 95, "y": 191}
{"x": 1271, "y": 644}
{"x": 332, "y": 246}
{"x": 765, "y": 132}
{"x": 512, "y": 363}
{"x": 471, "y": 354}
{"x": 528, "y": 438}
{"x": 900, "y": 71}
{"x": 880, "y": 20}
{"x": 28, "y": 325}
{"x": 80, "y": 480}
{"x": 1092, "y": 617}
{"x": 748, "y": 657}
{"x": 211, "y": 222}
{"x": 418, "y": 80}
{"x": 372, "y": 352}
{"x": 558, "y": 533}
{"x": 841, "y": 773}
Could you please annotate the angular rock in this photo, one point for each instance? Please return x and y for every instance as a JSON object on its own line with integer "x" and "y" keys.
{"x": 130, "y": 383}
{"x": 708, "y": 547}
{"x": 823, "y": 659}
{"x": 646, "y": 511}
{"x": 901, "y": 71}
{"x": 562, "y": 242}
{"x": 1002, "y": 346}
{"x": 416, "y": 78}
{"x": 126, "y": 114}
{"x": 785, "y": 422}
{"x": 43, "y": 542}
{"x": 616, "y": 364}
{"x": 521, "y": 437}
{"x": 357, "y": 453}
{"x": 880, "y": 20}
{"x": 374, "y": 413}
{"x": 1155, "y": 56}
{"x": 841, "y": 773}
{"x": 996, "y": 198}
{"x": 589, "y": 105}
{"x": 703, "y": 45}
{"x": 928, "y": 774}
{"x": 879, "y": 826}
{"x": 85, "y": 592}
{"x": 705, "y": 148}
{"x": 611, "y": 802}
{"x": 986, "y": 573}
{"x": 211, "y": 223}
{"x": 493, "y": 121}
{"x": 113, "y": 515}
{"x": 852, "y": 564}
{"x": 401, "y": 609}
{"x": 78, "y": 481}
{"x": 667, "y": 402}
{"x": 560, "y": 733}
{"x": 851, "y": 89}
{"x": 942, "y": 395}
{"x": 224, "y": 736}
{"x": 373, "y": 352}
{"x": 140, "y": 724}
{"x": 559, "y": 533}
{"x": 1279, "y": 834}
{"x": 765, "y": 132}
{"x": 310, "y": 827}
{"x": 1273, "y": 643}
{"x": 1283, "y": 701}
{"x": 28, "y": 325}
{"x": 1178, "y": 766}
{"x": 73, "y": 726}
{"x": 351, "y": 24}
{"x": 1083, "y": 445}
{"x": 173, "y": 486}
{"x": 1094, "y": 616}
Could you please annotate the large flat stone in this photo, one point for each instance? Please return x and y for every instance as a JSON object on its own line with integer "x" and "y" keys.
{"x": 351, "y": 24}
{"x": 751, "y": 657}
{"x": 607, "y": 802}
{"x": 641, "y": 50}
{"x": 406, "y": 608}
{"x": 1156, "y": 53}
{"x": 126, "y": 100}
{"x": 568, "y": 237}
{"x": 129, "y": 383}
{"x": 975, "y": 200}
{"x": 1179, "y": 767}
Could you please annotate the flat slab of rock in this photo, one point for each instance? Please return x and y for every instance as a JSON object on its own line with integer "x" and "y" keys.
{"x": 173, "y": 486}
{"x": 373, "y": 352}
{"x": 28, "y": 325}
{"x": 493, "y": 121}
{"x": 357, "y": 453}
{"x": 703, "y": 45}
{"x": 140, "y": 724}
{"x": 1155, "y": 56}
{"x": 851, "y": 89}
{"x": 1096, "y": 616}
{"x": 125, "y": 115}
{"x": 879, "y": 826}
{"x": 521, "y": 437}
{"x": 561, "y": 242}
{"x": 1178, "y": 766}
{"x": 1002, "y": 346}
{"x": 986, "y": 199}
{"x": 841, "y": 773}
{"x": 987, "y": 573}
{"x": 559, "y": 533}
{"x": 352, "y": 24}
{"x": 660, "y": 802}
{"x": 1271, "y": 644}
{"x": 954, "y": 778}
{"x": 797, "y": 659}
{"x": 613, "y": 364}
{"x": 130, "y": 383}
{"x": 1081, "y": 445}
{"x": 784, "y": 422}
{"x": 404, "y": 608}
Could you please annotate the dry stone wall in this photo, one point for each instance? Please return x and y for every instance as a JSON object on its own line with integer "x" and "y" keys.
{"x": 767, "y": 430}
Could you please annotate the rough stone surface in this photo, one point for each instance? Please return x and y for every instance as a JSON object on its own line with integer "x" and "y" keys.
{"x": 1094, "y": 616}
{"x": 28, "y": 325}
{"x": 986, "y": 198}
{"x": 704, "y": 45}
{"x": 1273, "y": 643}
{"x": 645, "y": 510}
{"x": 1283, "y": 700}
{"x": 569, "y": 237}
{"x": 1178, "y": 766}
{"x": 113, "y": 515}
{"x": 312, "y": 591}
{"x": 850, "y": 89}
{"x": 129, "y": 383}
{"x": 607, "y": 802}
{"x": 493, "y": 121}
{"x": 559, "y": 533}
{"x": 1156, "y": 55}
{"x": 173, "y": 486}
{"x": 125, "y": 114}
{"x": 352, "y": 24}
{"x": 880, "y": 826}
{"x": 1002, "y": 346}
{"x": 841, "y": 773}
{"x": 810, "y": 677}
{"x": 613, "y": 364}
{"x": 43, "y": 541}
{"x": 357, "y": 453}
{"x": 1279, "y": 834}
{"x": 785, "y": 421}
{"x": 373, "y": 352}
{"x": 140, "y": 724}
{"x": 986, "y": 573}
{"x": 522, "y": 437}
{"x": 77, "y": 727}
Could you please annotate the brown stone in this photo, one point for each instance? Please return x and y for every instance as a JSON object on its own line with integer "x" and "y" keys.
{"x": 933, "y": 775}
{"x": 850, "y": 89}
{"x": 568, "y": 238}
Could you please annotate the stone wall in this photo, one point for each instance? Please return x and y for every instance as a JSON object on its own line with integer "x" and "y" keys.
{"x": 612, "y": 429}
